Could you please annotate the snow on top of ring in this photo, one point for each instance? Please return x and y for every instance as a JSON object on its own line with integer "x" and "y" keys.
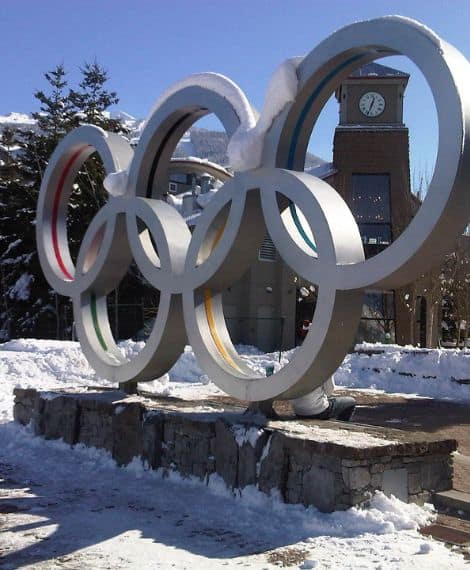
{"x": 221, "y": 85}
{"x": 115, "y": 183}
{"x": 246, "y": 146}
{"x": 421, "y": 28}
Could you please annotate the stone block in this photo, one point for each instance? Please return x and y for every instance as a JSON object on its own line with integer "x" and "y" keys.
{"x": 318, "y": 488}
{"x": 395, "y": 482}
{"x": 303, "y": 466}
{"x": 193, "y": 448}
{"x": 437, "y": 476}
{"x": 26, "y": 402}
{"x": 378, "y": 468}
{"x": 294, "y": 484}
{"x": 356, "y": 478}
{"x": 126, "y": 425}
{"x": 354, "y": 462}
{"x": 273, "y": 465}
{"x": 152, "y": 438}
{"x": 59, "y": 419}
{"x": 95, "y": 425}
{"x": 171, "y": 428}
{"x": 248, "y": 460}
{"x": 226, "y": 453}
{"x": 359, "y": 498}
{"x": 414, "y": 483}
{"x": 385, "y": 458}
{"x": 376, "y": 481}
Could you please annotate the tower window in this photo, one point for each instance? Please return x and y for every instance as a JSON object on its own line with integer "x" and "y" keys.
{"x": 370, "y": 204}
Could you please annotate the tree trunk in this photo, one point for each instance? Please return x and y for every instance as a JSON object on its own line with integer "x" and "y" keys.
{"x": 430, "y": 323}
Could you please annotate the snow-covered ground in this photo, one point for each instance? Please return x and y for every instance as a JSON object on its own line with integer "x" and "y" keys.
{"x": 414, "y": 371}
{"x": 76, "y": 509}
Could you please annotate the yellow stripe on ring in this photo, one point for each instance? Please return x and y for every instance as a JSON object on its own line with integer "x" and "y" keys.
{"x": 210, "y": 313}
{"x": 213, "y": 330}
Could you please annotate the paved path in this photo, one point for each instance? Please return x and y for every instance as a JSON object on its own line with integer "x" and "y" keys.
{"x": 447, "y": 419}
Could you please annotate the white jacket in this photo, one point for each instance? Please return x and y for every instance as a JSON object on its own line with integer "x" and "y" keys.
{"x": 315, "y": 402}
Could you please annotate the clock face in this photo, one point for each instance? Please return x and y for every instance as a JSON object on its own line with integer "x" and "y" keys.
{"x": 372, "y": 104}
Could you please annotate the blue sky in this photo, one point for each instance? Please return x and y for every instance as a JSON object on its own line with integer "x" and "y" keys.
{"x": 147, "y": 45}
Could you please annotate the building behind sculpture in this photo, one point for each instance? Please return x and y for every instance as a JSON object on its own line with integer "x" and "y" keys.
{"x": 371, "y": 170}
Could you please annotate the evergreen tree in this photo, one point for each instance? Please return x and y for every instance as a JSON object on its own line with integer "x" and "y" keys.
{"x": 28, "y": 307}
{"x": 89, "y": 105}
{"x": 57, "y": 113}
{"x": 92, "y": 99}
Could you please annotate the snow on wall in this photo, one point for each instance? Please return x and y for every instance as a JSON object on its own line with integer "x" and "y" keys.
{"x": 244, "y": 434}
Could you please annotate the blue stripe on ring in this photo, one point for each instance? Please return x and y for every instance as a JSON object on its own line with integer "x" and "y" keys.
{"x": 295, "y": 139}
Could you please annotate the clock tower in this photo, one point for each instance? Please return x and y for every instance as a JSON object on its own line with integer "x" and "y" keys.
{"x": 373, "y": 95}
{"x": 371, "y": 159}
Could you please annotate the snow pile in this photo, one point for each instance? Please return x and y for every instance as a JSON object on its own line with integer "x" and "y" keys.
{"x": 80, "y": 504}
{"x": 46, "y": 365}
{"x": 134, "y": 516}
{"x": 381, "y": 515}
{"x": 40, "y": 364}
{"x": 397, "y": 369}
{"x": 246, "y": 145}
{"x": 187, "y": 368}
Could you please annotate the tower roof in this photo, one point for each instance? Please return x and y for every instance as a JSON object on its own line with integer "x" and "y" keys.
{"x": 374, "y": 69}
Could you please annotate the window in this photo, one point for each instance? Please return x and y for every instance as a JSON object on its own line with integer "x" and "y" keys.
{"x": 370, "y": 204}
{"x": 173, "y": 187}
{"x": 378, "y": 317}
{"x": 181, "y": 178}
{"x": 267, "y": 251}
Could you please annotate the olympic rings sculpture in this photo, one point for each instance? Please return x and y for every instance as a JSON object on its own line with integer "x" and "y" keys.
{"x": 191, "y": 271}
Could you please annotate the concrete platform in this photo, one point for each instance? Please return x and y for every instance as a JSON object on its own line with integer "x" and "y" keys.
{"x": 453, "y": 500}
{"x": 331, "y": 465}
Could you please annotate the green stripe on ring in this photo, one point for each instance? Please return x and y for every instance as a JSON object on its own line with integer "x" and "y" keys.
{"x": 300, "y": 228}
{"x": 295, "y": 138}
{"x": 96, "y": 325}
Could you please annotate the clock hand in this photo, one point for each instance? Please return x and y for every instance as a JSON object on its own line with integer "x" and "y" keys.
{"x": 370, "y": 106}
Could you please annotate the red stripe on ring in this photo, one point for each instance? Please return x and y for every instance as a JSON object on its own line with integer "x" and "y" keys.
{"x": 55, "y": 212}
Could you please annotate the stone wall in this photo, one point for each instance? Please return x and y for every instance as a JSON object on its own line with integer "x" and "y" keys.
{"x": 330, "y": 465}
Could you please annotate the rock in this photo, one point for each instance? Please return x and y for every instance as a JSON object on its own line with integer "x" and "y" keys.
{"x": 152, "y": 438}
{"x": 226, "y": 453}
{"x": 60, "y": 418}
{"x": 126, "y": 425}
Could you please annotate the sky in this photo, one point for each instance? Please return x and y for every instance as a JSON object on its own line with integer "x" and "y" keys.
{"x": 147, "y": 45}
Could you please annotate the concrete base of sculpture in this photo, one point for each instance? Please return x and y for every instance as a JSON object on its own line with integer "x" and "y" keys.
{"x": 330, "y": 465}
